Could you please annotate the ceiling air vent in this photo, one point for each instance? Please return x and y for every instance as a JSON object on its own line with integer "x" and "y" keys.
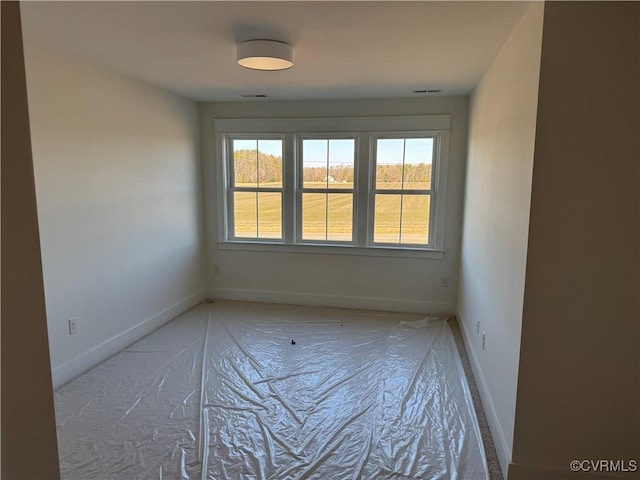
{"x": 253, "y": 95}
{"x": 428, "y": 90}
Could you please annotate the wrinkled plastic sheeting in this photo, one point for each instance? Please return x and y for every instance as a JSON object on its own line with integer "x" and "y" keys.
{"x": 223, "y": 393}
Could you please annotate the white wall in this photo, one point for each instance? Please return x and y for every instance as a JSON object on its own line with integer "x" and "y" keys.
{"x": 28, "y": 419}
{"x": 339, "y": 280}
{"x": 496, "y": 217}
{"x": 117, "y": 173}
{"x": 579, "y": 378}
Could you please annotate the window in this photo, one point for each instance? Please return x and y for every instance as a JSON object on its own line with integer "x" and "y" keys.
{"x": 373, "y": 186}
{"x": 327, "y": 189}
{"x": 402, "y": 190}
{"x": 255, "y": 191}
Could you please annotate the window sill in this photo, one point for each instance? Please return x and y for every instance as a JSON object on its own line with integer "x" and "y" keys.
{"x": 381, "y": 251}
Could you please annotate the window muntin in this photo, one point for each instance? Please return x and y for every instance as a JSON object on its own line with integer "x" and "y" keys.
{"x": 256, "y": 188}
{"x": 402, "y": 190}
{"x": 327, "y": 192}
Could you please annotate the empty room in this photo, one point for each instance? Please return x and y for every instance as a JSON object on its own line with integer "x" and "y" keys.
{"x": 320, "y": 240}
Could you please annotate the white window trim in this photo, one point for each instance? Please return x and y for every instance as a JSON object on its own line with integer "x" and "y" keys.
{"x": 365, "y": 130}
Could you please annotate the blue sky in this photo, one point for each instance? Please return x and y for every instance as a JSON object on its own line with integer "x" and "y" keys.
{"x": 418, "y": 150}
{"x": 341, "y": 151}
{"x": 270, "y": 147}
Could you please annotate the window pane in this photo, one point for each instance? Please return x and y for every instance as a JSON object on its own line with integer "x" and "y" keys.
{"x": 415, "y": 219}
{"x": 314, "y": 163}
{"x": 245, "y": 214}
{"x": 245, "y": 162}
{"x": 314, "y": 216}
{"x": 340, "y": 217}
{"x": 269, "y": 215}
{"x": 387, "y": 219}
{"x": 417, "y": 163}
{"x": 389, "y": 158}
{"x": 257, "y": 160}
{"x": 341, "y": 162}
{"x": 270, "y": 163}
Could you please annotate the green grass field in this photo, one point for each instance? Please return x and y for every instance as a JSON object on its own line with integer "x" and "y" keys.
{"x": 338, "y": 207}
{"x": 344, "y": 186}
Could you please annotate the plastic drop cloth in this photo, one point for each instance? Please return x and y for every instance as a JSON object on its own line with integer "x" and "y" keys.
{"x": 223, "y": 393}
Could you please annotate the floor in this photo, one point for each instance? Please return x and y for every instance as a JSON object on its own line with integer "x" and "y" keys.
{"x": 493, "y": 463}
{"x": 236, "y": 390}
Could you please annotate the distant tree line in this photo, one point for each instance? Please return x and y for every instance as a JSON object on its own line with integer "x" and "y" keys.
{"x": 420, "y": 172}
{"x": 270, "y": 170}
{"x": 337, "y": 173}
{"x": 270, "y": 167}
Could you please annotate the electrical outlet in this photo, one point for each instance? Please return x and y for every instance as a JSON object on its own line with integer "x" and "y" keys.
{"x": 478, "y": 327}
{"x": 484, "y": 340}
{"x": 216, "y": 269}
{"x": 444, "y": 281}
{"x": 73, "y": 326}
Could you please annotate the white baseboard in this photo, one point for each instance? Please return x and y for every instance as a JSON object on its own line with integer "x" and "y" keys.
{"x": 342, "y": 301}
{"x": 502, "y": 448}
{"x": 66, "y": 371}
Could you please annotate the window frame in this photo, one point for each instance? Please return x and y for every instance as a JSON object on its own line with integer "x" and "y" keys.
{"x": 300, "y": 188}
{"x": 231, "y": 188}
{"x": 364, "y": 130}
{"x": 430, "y": 192}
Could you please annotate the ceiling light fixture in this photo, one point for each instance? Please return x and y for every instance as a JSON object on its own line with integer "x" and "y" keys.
{"x": 265, "y": 55}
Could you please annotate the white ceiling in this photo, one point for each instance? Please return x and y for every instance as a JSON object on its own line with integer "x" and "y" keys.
{"x": 342, "y": 49}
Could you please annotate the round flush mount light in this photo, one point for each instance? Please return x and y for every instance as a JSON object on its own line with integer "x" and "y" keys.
{"x": 265, "y": 55}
